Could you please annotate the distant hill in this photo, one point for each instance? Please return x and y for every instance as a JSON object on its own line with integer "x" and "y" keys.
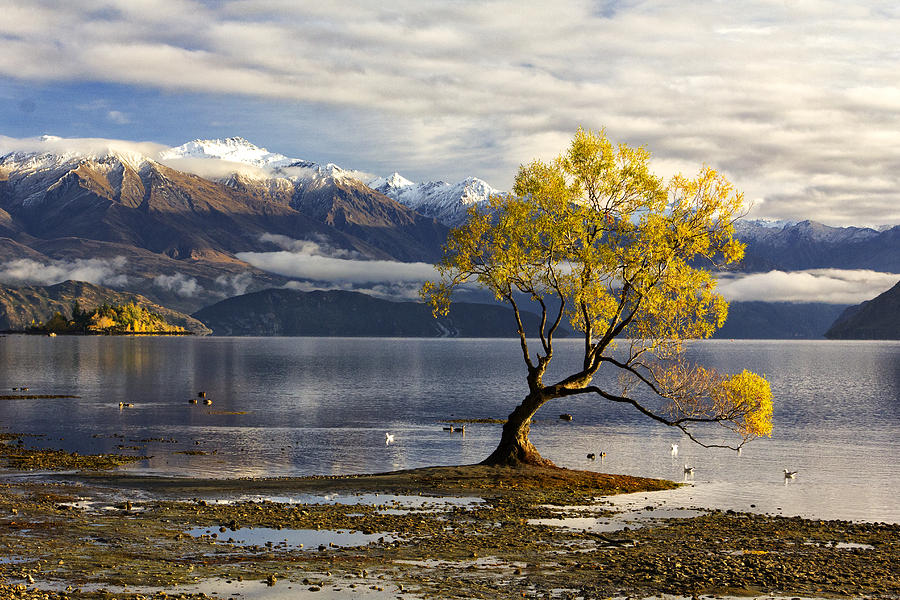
{"x": 779, "y": 320}
{"x": 282, "y": 312}
{"x": 20, "y": 306}
{"x": 876, "y": 319}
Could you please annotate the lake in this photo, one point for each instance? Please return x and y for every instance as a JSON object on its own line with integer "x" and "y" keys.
{"x": 301, "y": 406}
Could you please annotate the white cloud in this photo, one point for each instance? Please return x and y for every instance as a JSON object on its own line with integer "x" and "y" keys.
{"x": 118, "y": 117}
{"x": 80, "y": 146}
{"x": 322, "y": 266}
{"x": 316, "y": 267}
{"x": 234, "y": 285}
{"x": 397, "y": 292}
{"x": 314, "y": 247}
{"x": 25, "y": 271}
{"x": 832, "y": 286}
{"x": 179, "y": 283}
{"x": 794, "y": 101}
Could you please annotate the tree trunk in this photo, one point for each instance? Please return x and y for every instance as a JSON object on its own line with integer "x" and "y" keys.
{"x": 515, "y": 448}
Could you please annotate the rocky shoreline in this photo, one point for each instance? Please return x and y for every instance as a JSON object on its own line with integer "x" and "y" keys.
{"x": 446, "y": 532}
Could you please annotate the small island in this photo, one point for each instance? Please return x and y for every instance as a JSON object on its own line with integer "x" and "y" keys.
{"x": 121, "y": 319}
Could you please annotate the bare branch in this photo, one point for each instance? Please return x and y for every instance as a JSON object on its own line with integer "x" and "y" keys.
{"x": 523, "y": 341}
{"x": 681, "y": 423}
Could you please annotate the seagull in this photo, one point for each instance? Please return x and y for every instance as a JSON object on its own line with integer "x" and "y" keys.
{"x": 789, "y": 474}
{"x": 688, "y": 470}
{"x": 388, "y": 438}
{"x": 674, "y": 450}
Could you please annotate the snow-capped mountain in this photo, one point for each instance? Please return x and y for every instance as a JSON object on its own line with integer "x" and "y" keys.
{"x": 238, "y": 150}
{"x": 765, "y": 230}
{"x": 50, "y": 153}
{"x": 439, "y": 200}
{"x": 446, "y": 202}
{"x": 233, "y": 149}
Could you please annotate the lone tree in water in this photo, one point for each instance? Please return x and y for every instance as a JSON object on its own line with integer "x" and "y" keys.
{"x": 595, "y": 239}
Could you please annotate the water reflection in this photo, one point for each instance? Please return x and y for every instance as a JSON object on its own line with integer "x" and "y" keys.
{"x": 291, "y": 406}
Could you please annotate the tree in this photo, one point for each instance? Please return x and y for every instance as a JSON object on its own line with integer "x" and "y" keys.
{"x": 595, "y": 239}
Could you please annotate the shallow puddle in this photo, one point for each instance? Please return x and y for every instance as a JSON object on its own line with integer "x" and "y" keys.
{"x": 388, "y": 501}
{"x": 618, "y": 521}
{"x": 486, "y": 562}
{"x": 843, "y": 545}
{"x": 291, "y": 539}
{"x": 282, "y": 589}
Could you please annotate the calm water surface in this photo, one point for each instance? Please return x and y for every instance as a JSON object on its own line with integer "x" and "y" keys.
{"x": 298, "y": 406}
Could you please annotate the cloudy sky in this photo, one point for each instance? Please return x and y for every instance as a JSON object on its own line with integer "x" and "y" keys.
{"x": 797, "y": 101}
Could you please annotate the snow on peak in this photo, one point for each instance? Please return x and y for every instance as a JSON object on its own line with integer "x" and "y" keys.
{"x": 440, "y": 200}
{"x": 233, "y": 149}
{"x": 51, "y": 151}
{"x": 220, "y": 159}
{"x": 395, "y": 182}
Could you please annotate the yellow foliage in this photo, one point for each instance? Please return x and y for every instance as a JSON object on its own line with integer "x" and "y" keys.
{"x": 597, "y": 229}
{"x": 629, "y": 256}
{"x": 129, "y": 318}
{"x": 752, "y": 397}
{"x": 742, "y": 402}
{"x": 101, "y": 322}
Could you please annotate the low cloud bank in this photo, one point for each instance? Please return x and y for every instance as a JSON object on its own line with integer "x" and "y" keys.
{"x": 325, "y": 268}
{"x": 99, "y": 271}
{"x": 316, "y": 265}
{"x": 311, "y": 260}
{"x": 832, "y": 286}
{"x": 397, "y": 292}
{"x": 318, "y": 246}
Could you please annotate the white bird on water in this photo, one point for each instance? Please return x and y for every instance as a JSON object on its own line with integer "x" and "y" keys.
{"x": 388, "y": 438}
{"x": 789, "y": 474}
{"x": 674, "y": 450}
{"x": 688, "y": 471}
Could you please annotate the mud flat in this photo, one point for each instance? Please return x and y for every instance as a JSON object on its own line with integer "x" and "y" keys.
{"x": 442, "y": 532}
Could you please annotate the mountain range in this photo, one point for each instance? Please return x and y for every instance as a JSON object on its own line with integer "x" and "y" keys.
{"x": 195, "y": 224}
{"x": 795, "y": 246}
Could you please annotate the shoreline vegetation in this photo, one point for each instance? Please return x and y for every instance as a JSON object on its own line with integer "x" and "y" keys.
{"x": 107, "y": 319}
{"x": 42, "y": 332}
{"x": 478, "y": 532}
